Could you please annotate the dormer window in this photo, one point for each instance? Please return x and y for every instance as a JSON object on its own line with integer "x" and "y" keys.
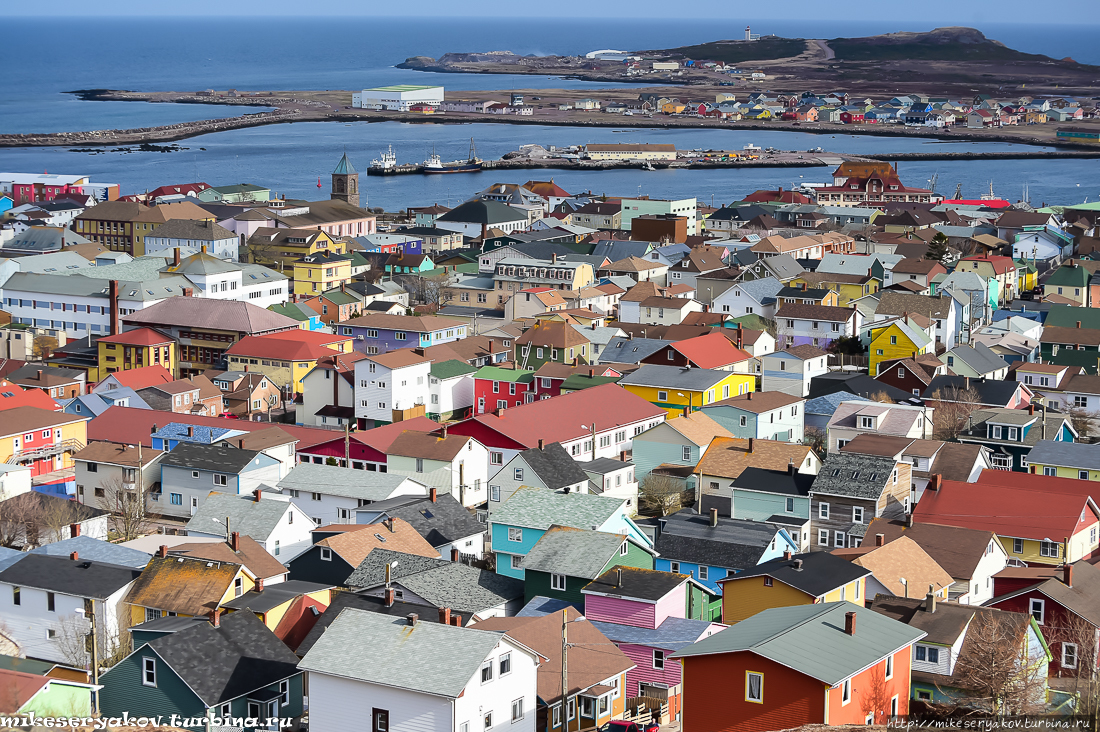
{"x": 867, "y": 423}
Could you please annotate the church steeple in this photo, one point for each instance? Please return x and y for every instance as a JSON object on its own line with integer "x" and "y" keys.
{"x": 345, "y": 182}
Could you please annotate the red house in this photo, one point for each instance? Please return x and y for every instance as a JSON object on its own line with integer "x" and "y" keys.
{"x": 851, "y": 118}
{"x": 834, "y": 663}
{"x": 550, "y": 376}
{"x": 497, "y": 387}
{"x": 367, "y": 449}
{"x": 1065, "y": 602}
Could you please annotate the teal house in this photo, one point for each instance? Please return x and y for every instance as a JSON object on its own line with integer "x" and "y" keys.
{"x": 678, "y": 442}
{"x": 518, "y": 524}
{"x": 205, "y": 673}
{"x": 402, "y": 263}
{"x": 777, "y": 497}
{"x": 564, "y": 560}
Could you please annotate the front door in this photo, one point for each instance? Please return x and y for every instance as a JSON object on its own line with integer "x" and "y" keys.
{"x": 194, "y": 504}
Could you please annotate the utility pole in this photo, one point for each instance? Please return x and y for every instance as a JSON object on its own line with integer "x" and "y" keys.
{"x": 347, "y": 445}
{"x": 564, "y": 668}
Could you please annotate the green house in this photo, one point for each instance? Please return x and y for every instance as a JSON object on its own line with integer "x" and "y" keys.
{"x": 206, "y": 671}
{"x": 46, "y": 696}
{"x": 565, "y": 560}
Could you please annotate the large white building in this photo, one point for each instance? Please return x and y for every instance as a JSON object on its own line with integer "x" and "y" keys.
{"x": 397, "y": 98}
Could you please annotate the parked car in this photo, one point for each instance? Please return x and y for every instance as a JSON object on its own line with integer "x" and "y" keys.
{"x": 620, "y": 725}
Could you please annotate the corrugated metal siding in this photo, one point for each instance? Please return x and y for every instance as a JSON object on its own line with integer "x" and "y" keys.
{"x": 645, "y": 673}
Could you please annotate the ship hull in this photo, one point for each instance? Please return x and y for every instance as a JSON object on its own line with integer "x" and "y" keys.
{"x": 467, "y": 168}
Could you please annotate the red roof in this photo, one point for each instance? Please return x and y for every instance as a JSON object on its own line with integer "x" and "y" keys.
{"x": 142, "y": 377}
{"x": 546, "y": 189}
{"x": 1018, "y": 512}
{"x": 291, "y": 345}
{"x": 561, "y": 418}
{"x": 13, "y": 395}
{"x": 20, "y": 687}
{"x": 138, "y": 337}
{"x": 778, "y": 195}
{"x": 1031, "y": 481}
{"x": 129, "y": 426}
{"x": 380, "y": 438}
{"x": 988, "y": 203}
{"x": 712, "y": 351}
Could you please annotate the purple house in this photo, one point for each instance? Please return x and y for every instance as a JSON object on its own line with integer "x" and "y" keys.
{"x": 800, "y": 324}
{"x": 645, "y": 613}
{"x": 383, "y": 332}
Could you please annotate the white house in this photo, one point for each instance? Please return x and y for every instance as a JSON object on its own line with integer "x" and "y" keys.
{"x": 613, "y": 478}
{"x": 750, "y": 297}
{"x": 453, "y": 464}
{"x": 403, "y": 674}
{"x": 328, "y": 391}
{"x": 547, "y": 466}
{"x": 1042, "y": 242}
{"x": 329, "y": 494}
{"x": 192, "y": 470}
{"x": 281, "y": 527}
{"x": 790, "y": 370}
{"x": 450, "y": 389}
{"x": 815, "y": 325}
{"x": 858, "y": 417}
{"x": 389, "y": 382}
{"x": 103, "y": 467}
{"x": 43, "y": 599}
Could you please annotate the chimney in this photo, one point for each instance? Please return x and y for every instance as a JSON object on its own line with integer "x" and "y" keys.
{"x": 713, "y": 517}
{"x": 749, "y": 396}
{"x": 390, "y": 595}
{"x": 554, "y": 258}
{"x": 444, "y": 616}
{"x": 235, "y": 541}
{"x": 456, "y": 621}
{"x": 850, "y": 622}
{"x": 188, "y": 292}
{"x": 444, "y": 431}
{"x": 256, "y": 495}
{"x": 411, "y": 619}
{"x": 804, "y": 287}
{"x": 618, "y": 576}
{"x": 1078, "y": 323}
{"x": 787, "y": 555}
{"x": 490, "y": 346}
{"x": 1031, "y": 409}
{"x": 1067, "y": 575}
{"x": 40, "y": 374}
{"x": 113, "y": 298}
{"x": 432, "y": 494}
{"x": 176, "y": 257}
{"x": 259, "y": 584}
{"x": 216, "y": 618}
{"x": 880, "y": 539}
{"x": 75, "y": 556}
{"x": 966, "y": 382}
{"x": 791, "y": 467}
{"x": 74, "y": 530}
{"x": 930, "y": 602}
{"x": 687, "y": 412}
{"x": 934, "y": 482}
{"x": 798, "y": 565}
{"x": 163, "y": 551}
{"x": 454, "y": 554}
{"x": 591, "y": 373}
{"x": 542, "y": 444}
{"x": 389, "y": 524}
{"x": 190, "y": 431}
{"x": 752, "y": 442}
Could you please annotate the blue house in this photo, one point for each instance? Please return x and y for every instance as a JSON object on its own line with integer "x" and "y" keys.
{"x": 92, "y": 405}
{"x": 383, "y": 332}
{"x": 192, "y": 470}
{"x": 205, "y": 673}
{"x": 301, "y": 313}
{"x": 521, "y": 521}
{"x": 779, "y": 497}
{"x": 710, "y": 548}
{"x": 167, "y": 437}
{"x": 5, "y": 203}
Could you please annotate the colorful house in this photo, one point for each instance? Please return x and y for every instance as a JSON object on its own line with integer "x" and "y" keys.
{"x": 42, "y": 439}
{"x": 335, "y": 305}
{"x": 185, "y": 586}
{"x": 649, "y": 615}
{"x": 381, "y": 332}
{"x": 1076, "y": 460}
{"x": 39, "y": 695}
{"x": 496, "y": 388}
{"x": 897, "y": 340}
{"x": 776, "y": 682}
{"x": 802, "y": 579}
{"x": 321, "y": 272}
{"x": 135, "y": 349}
{"x": 680, "y": 390}
{"x": 565, "y": 560}
{"x": 286, "y": 357}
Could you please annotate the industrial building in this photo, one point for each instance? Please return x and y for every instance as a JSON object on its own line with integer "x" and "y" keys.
{"x": 397, "y": 98}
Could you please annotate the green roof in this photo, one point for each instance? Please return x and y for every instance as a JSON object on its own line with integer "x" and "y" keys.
{"x": 537, "y": 508}
{"x": 239, "y": 188}
{"x": 1069, "y": 276}
{"x": 576, "y": 382}
{"x": 452, "y": 368}
{"x": 401, "y": 88}
{"x": 338, "y": 297}
{"x": 750, "y": 321}
{"x": 294, "y": 310}
{"x": 496, "y": 373}
{"x": 1067, "y": 316}
{"x": 1025, "y": 265}
{"x": 344, "y": 167}
{"x": 811, "y": 639}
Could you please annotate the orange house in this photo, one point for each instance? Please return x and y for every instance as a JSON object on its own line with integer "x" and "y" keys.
{"x": 835, "y": 663}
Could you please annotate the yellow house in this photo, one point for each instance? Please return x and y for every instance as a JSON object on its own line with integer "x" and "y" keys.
{"x": 1077, "y": 460}
{"x": 673, "y": 108}
{"x": 804, "y": 579}
{"x": 674, "y": 388}
{"x": 185, "y": 586}
{"x": 281, "y": 248}
{"x": 320, "y": 272}
{"x": 897, "y": 340}
{"x": 135, "y": 349}
{"x": 1027, "y": 276}
{"x": 847, "y": 287}
{"x": 285, "y": 357}
{"x": 41, "y": 439}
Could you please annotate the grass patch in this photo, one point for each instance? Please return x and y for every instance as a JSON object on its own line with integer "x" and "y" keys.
{"x": 735, "y": 52}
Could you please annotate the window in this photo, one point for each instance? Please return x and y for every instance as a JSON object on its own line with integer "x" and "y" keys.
{"x": 1082, "y": 475}
{"x": 889, "y": 667}
{"x": 238, "y": 587}
{"x": 838, "y": 539}
{"x": 326, "y": 554}
{"x": 515, "y": 534}
{"x": 823, "y": 537}
{"x": 487, "y": 673}
{"x": 924, "y": 695}
{"x": 276, "y": 547}
{"x": 1037, "y": 608}
{"x": 505, "y": 664}
{"x": 928, "y": 653}
{"x": 220, "y": 479}
{"x": 754, "y": 687}
{"x": 571, "y": 708}
{"x": 50, "y": 604}
{"x": 624, "y": 547}
{"x": 894, "y": 706}
{"x": 1069, "y": 655}
{"x": 674, "y": 567}
{"x": 823, "y": 510}
{"x": 517, "y": 474}
{"x": 857, "y": 514}
{"x": 1048, "y": 549}
{"x": 149, "y": 672}
{"x": 284, "y": 693}
{"x": 494, "y": 493}
{"x": 557, "y": 582}
{"x": 517, "y": 710}
{"x": 557, "y": 715}
{"x": 867, "y": 423}
{"x": 496, "y": 458}
{"x": 704, "y": 572}
{"x": 1017, "y": 546}
{"x": 15, "y": 596}
{"x": 517, "y": 560}
{"x": 662, "y": 396}
{"x": 380, "y": 720}
{"x": 846, "y": 692}
{"x": 176, "y": 499}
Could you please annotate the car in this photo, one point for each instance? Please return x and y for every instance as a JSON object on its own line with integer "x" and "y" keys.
{"x": 621, "y": 725}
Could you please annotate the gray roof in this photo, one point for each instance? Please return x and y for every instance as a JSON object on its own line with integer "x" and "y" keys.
{"x": 541, "y": 605}
{"x": 671, "y": 635}
{"x": 828, "y": 403}
{"x": 854, "y": 475}
{"x": 536, "y": 508}
{"x": 632, "y": 350}
{"x": 574, "y": 552}
{"x": 811, "y": 639}
{"x": 201, "y": 312}
{"x": 379, "y": 649}
{"x": 784, "y": 266}
{"x": 439, "y": 523}
{"x": 554, "y": 466}
{"x": 372, "y": 570}
{"x": 219, "y": 457}
{"x": 253, "y": 518}
{"x": 1066, "y": 454}
{"x": 95, "y": 550}
{"x": 191, "y": 230}
{"x": 761, "y": 290}
{"x": 733, "y": 544}
{"x": 82, "y": 578}
{"x": 85, "y": 285}
{"x": 616, "y": 250}
{"x": 483, "y": 212}
{"x": 332, "y": 480}
{"x": 603, "y": 466}
{"x": 462, "y": 588}
{"x": 10, "y": 556}
{"x": 274, "y": 595}
{"x": 979, "y": 357}
{"x": 674, "y": 377}
{"x": 978, "y": 431}
{"x": 599, "y": 335}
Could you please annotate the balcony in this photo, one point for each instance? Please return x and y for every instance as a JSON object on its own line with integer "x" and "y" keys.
{"x": 38, "y": 453}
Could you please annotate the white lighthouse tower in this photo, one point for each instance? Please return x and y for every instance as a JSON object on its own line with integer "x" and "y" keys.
{"x": 748, "y": 33}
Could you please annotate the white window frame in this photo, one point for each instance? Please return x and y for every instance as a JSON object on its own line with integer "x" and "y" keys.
{"x": 517, "y": 710}
{"x": 846, "y": 693}
{"x": 658, "y": 659}
{"x": 823, "y": 537}
{"x": 515, "y": 534}
{"x": 149, "y": 671}
{"x": 1037, "y": 604}
{"x": 889, "y": 667}
{"x": 1074, "y": 654}
{"x": 823, "y": 511}
{"x": 557, "y": 582}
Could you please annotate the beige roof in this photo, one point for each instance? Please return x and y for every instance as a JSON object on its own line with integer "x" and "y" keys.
{"x": 633, "y": 264}
{"x": 727, "y": 457}
{"x": 901, "y": 558}
{"x": 699, "y": 428}
{"x": 760, "y": 401}
{"x": 18, "y": 420}
{"x": 116, "y": 454}
{"x": 354, "y": 546}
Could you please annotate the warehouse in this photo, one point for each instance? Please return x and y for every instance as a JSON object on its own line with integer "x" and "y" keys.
{"x": 397, "y": 98}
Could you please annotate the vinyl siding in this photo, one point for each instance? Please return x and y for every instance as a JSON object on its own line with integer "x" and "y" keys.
{"x": 645, "y": 673}
{"x": 746, "y": 597}
{"x": 123, "y": 691}
{"x": 623, "y": 612}
{"x": 310, "y": 567}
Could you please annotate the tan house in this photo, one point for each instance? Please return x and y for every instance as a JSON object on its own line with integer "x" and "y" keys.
{"x": 122, "y": 226}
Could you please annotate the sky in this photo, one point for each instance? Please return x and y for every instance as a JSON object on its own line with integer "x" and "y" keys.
{"x": 969, "y": 12}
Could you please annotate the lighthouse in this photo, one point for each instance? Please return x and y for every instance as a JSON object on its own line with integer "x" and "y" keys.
{"x": 748, "y": 33}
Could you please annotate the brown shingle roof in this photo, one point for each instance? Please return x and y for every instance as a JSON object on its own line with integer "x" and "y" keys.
{"x": 815, "y": 312}
{"x": 354, "y": 546}
{"x": 553, "y": 334}
{"x": 900, "y": 558}
{"x": 757, "y": 402}
{"x": 699, "y": 428}
{"x": 201, "y": 312}
{"x": 250, "y": 553}
{"x": 956, "y": 550}
{"x": 18, "y": 420}
{"x": 116, "y": 454}
{"x": 427, "y": 446}
{"x": 727, "y": 457}
{"x": 181, "y": 585}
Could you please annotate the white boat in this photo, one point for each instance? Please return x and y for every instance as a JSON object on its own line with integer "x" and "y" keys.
{"x": 389, "y": 159}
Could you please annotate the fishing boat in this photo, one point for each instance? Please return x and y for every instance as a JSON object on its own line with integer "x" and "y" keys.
{"x": 387, "y": 164}
{"x": 435, "y": 165}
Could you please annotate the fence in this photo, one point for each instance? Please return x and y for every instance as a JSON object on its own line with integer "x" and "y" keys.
{"x": 645, "y": 709}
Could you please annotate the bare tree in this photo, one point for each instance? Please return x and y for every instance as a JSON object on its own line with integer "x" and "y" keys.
{"x": 662, "y": 494}
{"x": 16, "y": 514}
{"x": 1079, "y": 662}
{"x": 954, "y": 405}
{"x": 53, "y": 517}
{"x": 880, "y": 396}
{"x": 997, "y": 670}
{"x": 816, "y": 439}
{"x": 74, "y": 639}
{"x": 129, "y": 509}
{"x": 1081, "y": 420}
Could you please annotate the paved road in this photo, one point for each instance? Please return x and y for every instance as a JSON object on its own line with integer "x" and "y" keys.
{"x": 830, "y": 54}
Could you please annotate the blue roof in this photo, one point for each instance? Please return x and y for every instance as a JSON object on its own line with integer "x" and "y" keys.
{"x": 9, "y": 557}
{"x": 672, "y": 635}
{"x": 96, "y": 550}
{"x": 541, "y": 605}
{"x": 201, "y": 433}
{"x": 96, "y": 404}
{"x": 827, "y": 404}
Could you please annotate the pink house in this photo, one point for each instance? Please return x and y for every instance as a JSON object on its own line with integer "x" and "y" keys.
{"x": 649, "y": 615}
